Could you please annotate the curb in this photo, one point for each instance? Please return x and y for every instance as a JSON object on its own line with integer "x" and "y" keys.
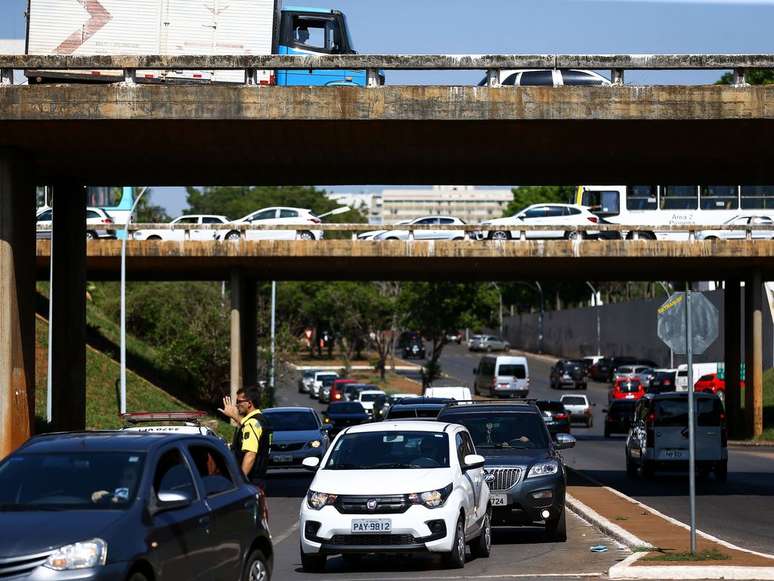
{"x": 353, "y": 367}
{"x": 608, "y": 527}
{"x": 625, "y": 570}
{"x": 751, "y": 443}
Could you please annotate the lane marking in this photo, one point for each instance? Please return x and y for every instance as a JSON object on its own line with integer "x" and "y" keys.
{"x": 284, "y": 536}
{"x": 504, "y": 576}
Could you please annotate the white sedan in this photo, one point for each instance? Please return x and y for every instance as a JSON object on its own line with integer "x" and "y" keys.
{"x": 96, "y": 218}
{"x": 426, "y": 234}
{"x": 741, "y": 234}
{"x": 542, "y": 215}
{"x": 194, "y": 233}
{"x": 304, "y": 218}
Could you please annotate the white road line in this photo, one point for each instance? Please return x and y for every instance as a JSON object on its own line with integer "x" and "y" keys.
{"x": 284, "y": 536}
{"x": 505, "y": 576}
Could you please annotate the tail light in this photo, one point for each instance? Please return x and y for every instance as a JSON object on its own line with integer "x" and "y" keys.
{"x": 593, "y": 219}
{"x": 666, "y": 382}
{"x": 107, "y": 221}
{"x": 560, "y": 416}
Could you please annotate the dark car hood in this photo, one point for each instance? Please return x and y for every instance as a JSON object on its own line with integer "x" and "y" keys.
{"x": 347, "y": 417}
{"x": 295, "y": 436}
{"x": 26, "y": 533}
{"x": 511, "y": 456}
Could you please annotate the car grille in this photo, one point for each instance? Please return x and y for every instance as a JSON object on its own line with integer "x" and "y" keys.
{"x": 506, "y": 477}
{"x": 286, "y": 447}
{"x": 370, "y": 540}
{"x": 384, "y": 504}
{"x": 18, "y": 567}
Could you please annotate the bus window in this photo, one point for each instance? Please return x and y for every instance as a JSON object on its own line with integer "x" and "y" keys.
{"x": 641, "y": 198}
{"x": 757, "y": 197}
{"x": 679, "y": 197}
{"x": 602, "y": 202}
{"x": 719, "y": 198}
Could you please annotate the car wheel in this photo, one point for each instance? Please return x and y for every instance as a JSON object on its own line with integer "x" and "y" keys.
{"x": 137, "y": 576}
{"x": 574, "y": 235}
{"x": 590, "y": 423}
{"x": 90, "y": 235}
{"x": 257, "y": 567}
{"x": 556, "y": 528}
{"x": 482, "y": 546}
{"x": 313, "y": 563}
{"x": 154, "y": 237}
{"x": 631, "y": 469}
{"x": 456, "y": 558}
{"x": 721, "y": 471}
{"x": 305, "y": 235}
{"x": 500, "y": 235}
{"x": 489, "y": 349}
{"x": 232, "y": 235}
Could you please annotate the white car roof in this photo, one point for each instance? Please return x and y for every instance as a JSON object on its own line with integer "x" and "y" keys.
{"x": 372, "y": 392}
{"x": 402, "y": 426}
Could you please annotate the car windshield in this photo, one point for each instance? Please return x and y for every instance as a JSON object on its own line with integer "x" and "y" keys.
{"x": 346, "y": 408}
{"x": 70, "y": 481}
{"x": 370, "y": 396}
{"x": 390, "y": 450}
{"x": 674, "y": 412}
{"x": 517, "y": 371}
{"x": 290, "y": 421}
{"x": 504, "y": 430}
{"x": 574, "y": 400}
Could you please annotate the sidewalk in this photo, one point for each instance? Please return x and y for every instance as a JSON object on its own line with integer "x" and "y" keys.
{"x": 654, "y": 536}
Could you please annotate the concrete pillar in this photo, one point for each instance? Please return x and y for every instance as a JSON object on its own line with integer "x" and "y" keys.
{"x": 732, "y": 339}
{"x": 68, "y": 339}
{"x": 236, "y": 333}
{"x": 249, "y": 331}
{"x": 754, "y": 354}
{"x": 17, "y": 302}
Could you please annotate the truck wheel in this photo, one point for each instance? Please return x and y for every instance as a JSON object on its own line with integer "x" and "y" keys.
{"x": 456, "y": 558}
{"x": 482, "y": 546}
{"x": 556, "y": 528}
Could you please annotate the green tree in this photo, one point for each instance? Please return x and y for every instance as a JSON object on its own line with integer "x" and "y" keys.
{"x": 149, "y": 213}
{"x": 438, "y": 309}
{"x": 527, "y": 195}
{"x": 752, "y": 76}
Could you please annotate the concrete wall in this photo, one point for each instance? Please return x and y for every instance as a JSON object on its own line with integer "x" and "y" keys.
{"x": 626, "y": 329}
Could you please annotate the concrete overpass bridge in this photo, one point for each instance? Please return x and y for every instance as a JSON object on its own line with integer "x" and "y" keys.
{"x": 71, "y": 135}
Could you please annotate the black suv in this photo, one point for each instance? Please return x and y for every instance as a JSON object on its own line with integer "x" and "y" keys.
{"x": 412, "y": 408}
{"x": 524, "y": 469}
{"x": 570, "y": 373}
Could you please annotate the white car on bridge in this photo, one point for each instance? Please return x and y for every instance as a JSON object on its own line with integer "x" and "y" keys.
{"x": 741, "y": 234}
{"x": 549, "y": 78}
{"x": 189, "y": 230}
{"x": 541, "y": 215}
{"x": 426, "y": 234}
{"x": 302, "y": 217}
{"x": 397, "y": 487}
{"x": 96, "y": 218}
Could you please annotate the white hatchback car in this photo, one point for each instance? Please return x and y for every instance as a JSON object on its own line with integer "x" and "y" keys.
{"x": 302, "y": 217}
{"x": 426, "y": 234}
{"x": 549, "y": 78}
{"x": 368, "y": 398}
{"x": 96, "y": 218}
{"x": 189, "y": 230}
{"x": 542, "y": 215}
{"x": 397, "y": 487}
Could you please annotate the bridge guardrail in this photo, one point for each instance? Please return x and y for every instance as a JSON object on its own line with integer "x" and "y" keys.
{"x": 616, "y": 63}
{"x": 469, "y": 230}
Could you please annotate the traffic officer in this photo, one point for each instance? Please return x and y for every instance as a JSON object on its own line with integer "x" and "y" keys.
{"x": 252, "y": 438}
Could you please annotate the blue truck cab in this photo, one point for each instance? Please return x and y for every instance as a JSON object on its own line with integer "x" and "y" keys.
{"x": 316, "y": 31}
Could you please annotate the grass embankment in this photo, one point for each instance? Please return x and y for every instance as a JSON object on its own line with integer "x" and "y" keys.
{"x": 768, "y": 405}
{"x": 102, "y": 375}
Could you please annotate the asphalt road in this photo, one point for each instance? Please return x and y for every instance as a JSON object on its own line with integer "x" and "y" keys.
{"x": 740, "y": 511}
{"x": 518, "y": 553}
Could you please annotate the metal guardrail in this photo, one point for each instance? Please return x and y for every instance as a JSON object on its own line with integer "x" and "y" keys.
{"x": 468, "y": 230}
{"x": 616, "y": 63}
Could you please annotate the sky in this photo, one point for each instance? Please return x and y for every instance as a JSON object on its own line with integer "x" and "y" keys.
{"x": 525, "y": 27}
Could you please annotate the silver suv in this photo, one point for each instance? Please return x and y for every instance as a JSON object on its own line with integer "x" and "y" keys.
{"x": 488, "y": 343}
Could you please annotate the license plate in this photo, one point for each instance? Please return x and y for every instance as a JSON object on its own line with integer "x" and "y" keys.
{"x": 673, "y": 453}
{"x": 283, "y": 459}
{"x": 629, "y": 397}
{"x": 371, "y": 526}
{"x": 498, "y": 499}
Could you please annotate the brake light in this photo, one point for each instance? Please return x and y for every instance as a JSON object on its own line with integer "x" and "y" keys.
{"x": 593, "y": 219}
{"x": 560, "y": 416}
{"x": 107, "y": 221}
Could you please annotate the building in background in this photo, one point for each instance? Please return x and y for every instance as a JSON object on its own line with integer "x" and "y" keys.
{"x": 465, "y": 202}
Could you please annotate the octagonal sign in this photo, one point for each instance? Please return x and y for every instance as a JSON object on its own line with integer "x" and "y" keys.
{"x": 704, "y": 323}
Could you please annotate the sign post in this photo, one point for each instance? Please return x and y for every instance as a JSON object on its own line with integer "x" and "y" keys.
{"x": 688, "y": 324}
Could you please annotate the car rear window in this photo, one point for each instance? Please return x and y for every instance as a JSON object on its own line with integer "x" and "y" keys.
{"x": 574, "y": 400}
{"x": 674, "y": 412}
{"x": 629, "y": 386}
{"x": 346, "y": 408}
{"x": 517, "y": 371}
{"x": 551, "y": 406}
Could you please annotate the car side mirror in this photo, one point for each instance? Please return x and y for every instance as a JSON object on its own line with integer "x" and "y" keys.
{"x": 565, "y": 441}
{"x": 171, "y": 500}
{"x": 473, "y": 461}
{"x": 311, "y": 463}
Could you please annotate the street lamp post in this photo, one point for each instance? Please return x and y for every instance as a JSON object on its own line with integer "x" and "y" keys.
{"x": 122, "y": 404}
{"x": 671, "y": 352}
{"x": 595, "y": 302}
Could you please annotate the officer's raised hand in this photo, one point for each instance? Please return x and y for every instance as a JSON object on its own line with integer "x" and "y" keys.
{"x": 229, "y": 409}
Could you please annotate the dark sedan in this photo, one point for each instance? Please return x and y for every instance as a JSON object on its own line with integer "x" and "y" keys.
{"x": 619, "y": 417}
{"x": 340, "y": 415}
{"x": 555, "y": 416}
{"x": 298, "y": 433}
{"x": 128, "y": 505}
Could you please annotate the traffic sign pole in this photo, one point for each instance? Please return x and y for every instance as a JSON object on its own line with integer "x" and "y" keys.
{"x": 691, "y": 415}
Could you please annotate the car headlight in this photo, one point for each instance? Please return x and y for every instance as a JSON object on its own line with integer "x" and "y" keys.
{"x": 431, "y": 498}
{"x": 317, "y": 500}
{"x": 315, "y": 444}
{"x": 543, "y": 469}
{"x": 83, "y": 555}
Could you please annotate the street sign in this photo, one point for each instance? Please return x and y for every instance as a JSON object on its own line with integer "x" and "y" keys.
{"x": 672, "y": 323}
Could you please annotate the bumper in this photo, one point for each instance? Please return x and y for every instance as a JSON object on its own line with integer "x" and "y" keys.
{"x": 280, "y": 459}
{"x": 524, "y": 508}
{"x": 410, "y": 531}
{"x": 515, "y": 392}
{"x": 109, "y": 572}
